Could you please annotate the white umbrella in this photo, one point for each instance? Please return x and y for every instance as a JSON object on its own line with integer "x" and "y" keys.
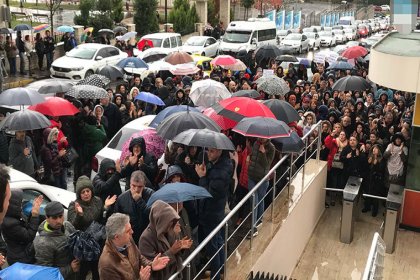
{"x": 154, "y": 54}
{"x": 208, "y": 92}
{"x": 184, "y": 69}
{"x": 128, "y": 35}
{"x": 160, "y": 66}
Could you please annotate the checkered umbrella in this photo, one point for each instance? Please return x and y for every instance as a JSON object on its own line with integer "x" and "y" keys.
{"x": 95, "y": 80}
{"x": 87, "y": 92}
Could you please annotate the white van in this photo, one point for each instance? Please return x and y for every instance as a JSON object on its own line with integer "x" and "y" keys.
{"x": 167, "y": 40}
{"x": 248, "y": 35}
{"x": 349, "y": 20}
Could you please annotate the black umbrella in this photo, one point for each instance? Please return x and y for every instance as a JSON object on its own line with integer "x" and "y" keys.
{"x": 262, "y": 127}
{"x": 56, "y": 86}
{"x": 21, "y": 27}
{"x": 351, "y": 83}
{"x": 95, "y": 80}
{"x": 120, "y": 29}
{"x": 87, "y": 92}
{"x": 181, "y": 121}
{"x": 4, "y": 30}
{"x": 111, "y": 72}
{"x": 251, "y": 93}
{"x": 20, "y": 96}
{"x": 266, "y": 52}
{"x": 106, "y": 31}
{"x": 282, "y": 110}
{"x": 25, "y": 120}
{"x": 292, "y": 144}
{"x": 287, "y": 58}
{"x": 204, "y": 138}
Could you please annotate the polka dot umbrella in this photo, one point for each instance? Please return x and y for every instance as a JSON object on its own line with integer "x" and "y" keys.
{"x": 87, "y": 92}
{"x": 95, "y": 80}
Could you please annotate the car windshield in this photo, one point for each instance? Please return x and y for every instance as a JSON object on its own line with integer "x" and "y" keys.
{"x": 236, "y": 36}
{"x": 282, "y": 32}
{"x": 122, "y": 136}
{"x": 308, "y": 29}
{"x": 294, "y": 37}
{"x": 309, "y": 35}
{"x": 362, "y": 27}
{"x": 325, "y": 33}
{"x": 82, "y": 53}
{"x": 156, "y": 42}
{"x": 195, "y": 41}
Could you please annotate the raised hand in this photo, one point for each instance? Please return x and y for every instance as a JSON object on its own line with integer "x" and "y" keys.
{"x": 145, "y": 272}
{"x": 186, "y": 243}
{"x": 159, "y": 262}
{"x": 201, "y": 170}
{"x": 79, "y": 209}
{"x": 110, "y": 200}
{"x": 36, "y": 205}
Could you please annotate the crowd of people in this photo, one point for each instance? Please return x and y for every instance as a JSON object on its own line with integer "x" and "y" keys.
{"x": 364, "y": 134}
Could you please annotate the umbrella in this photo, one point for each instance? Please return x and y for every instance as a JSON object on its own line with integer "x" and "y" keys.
{"x": 41, "y": 27}
{"x": 83, "y": 246}
{"x": 340, "y": 65}
{"x": 222, "y": 121}
{"x": 329, "y": 56}
{"x": 262, "y": 127}
{"x": 119, "y": 29}
{"x": 155, "y": 144}
{"x": 282, "y": 110}
{"x": 20, "y": 96}
{"x": 267, "y": 52}
{"x": 287, "y": 58}
{"x": 22, "y": 27}
{"x": 184, "y": 69}
{"x": 181, "y": 121}
{"x": 367, "y": 57}
{"x": 204, "y": 138}
{"x": 354, "y": 52}
{"x": 142, "y": 43}
{"x": 106, "y": 31}
{"x": 237, "y": 108}
{"x": 40, "y": 83}
{"x": 154, "y": 54}
{"x": 55, "y": 86}
{"x": 95, "y": 80}
{"x": 304, "y": 61}
{"x": 251, "y": 93}
{"x": 179, "y": 58}
{"x": 113, "y": 73}
{"x": 88, "y": 29}
{"x": 292, "y": 144}
{"x": 223, "y": 60}
{"x": 169, "y": 111}
{"x": 5, "y": 30}
{"x": 30, "y": 272}
{"x": 132, "y": 62}
{"x": 160, "y": 66}
{"x": 208, "y": 92}
{"x": 149, "y": 98}
{"x": 87, "y": 92}
{"x": 273, "y": 85}
{"x": 65, "y": 28}
{"x": 340, "y": 49}
{"x": 55, "y": 107}
{"x": 129, "y": 35}
{"x": 237, "y": 66}
{"x": 351, "y": 83}
{"x": 178, "y": 192}
{"x": 25, "y": 120}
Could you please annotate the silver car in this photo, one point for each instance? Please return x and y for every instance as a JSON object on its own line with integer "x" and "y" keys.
{"x": 299, "y": 42}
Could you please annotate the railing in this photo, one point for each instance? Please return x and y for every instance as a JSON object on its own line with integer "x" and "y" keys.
{"x": 311, "y": 150}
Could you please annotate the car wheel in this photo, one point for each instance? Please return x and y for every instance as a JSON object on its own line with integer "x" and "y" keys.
{"x": 88, "y": 73}
{"x": 203, "y": 54}
{"x": 300, "y": 49}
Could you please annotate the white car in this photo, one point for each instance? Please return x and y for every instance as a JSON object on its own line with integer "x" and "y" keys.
{"x": 340, "y": 36}
{"x": 203, "y": 45}
{"x": 281, "y": 34}
{"x": 314, "y": 40}
{"x": 385, "y": 8}
{"x": 32, "y": 189}
{"x": 112, "y": 150}
{"x": 351, "y": 34}
{"x": 299, "y": 42}
{"x": 327, "y": 38}
{"x": 84, "y": 60}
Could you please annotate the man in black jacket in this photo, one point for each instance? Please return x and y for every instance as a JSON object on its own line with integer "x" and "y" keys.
{"x": 113, "y": 114}
{"x": 21, "y": 48}
{"x": 107, "y": 181}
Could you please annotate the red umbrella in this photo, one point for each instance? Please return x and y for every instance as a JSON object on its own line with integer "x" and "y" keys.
{"x": 222, "y": 121}
{"x": 224, "y": 60}
{"x": 354, "y": 52}
{"x": 143, "y": 42}
{"x": 237, "y": 108}
{"x": 55, "y": 107}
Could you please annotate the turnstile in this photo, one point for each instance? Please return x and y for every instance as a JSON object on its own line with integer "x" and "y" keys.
{"x": 392, "y": 217}
{"x": 349, "y": 211}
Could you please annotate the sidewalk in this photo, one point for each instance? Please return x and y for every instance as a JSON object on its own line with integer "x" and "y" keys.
{"x": 22, "y": 81}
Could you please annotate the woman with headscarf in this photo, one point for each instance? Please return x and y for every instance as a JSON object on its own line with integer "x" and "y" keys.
{"x": 98, "y": 112}
{"x": 396, "y": 155}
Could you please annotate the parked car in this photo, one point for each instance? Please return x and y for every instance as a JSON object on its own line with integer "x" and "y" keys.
{"x": 327, "y": 38}
{"x": 297, "y": 41}
{"x": 203, "y": 45}
{"x": 351, "y": 34}
{"x": 362, "y": 31}
{"x": 84, "y": 60}
{"x": 281, "y": 34}
{"x": 167, "y": 40}
{"x": 32, "y": 189}
{"x": 314, "y": 40}
{"x": 340, "y": 36}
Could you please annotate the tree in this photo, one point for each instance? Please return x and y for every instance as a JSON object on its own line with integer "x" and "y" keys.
{"x": 145, "y": 17}
{"x": 117, "y": 11}
{"x": 211, "y": 13}
{"x": 85, "y": 6}
{"x": 247, "y": 5}
{"x": 183, "y": 17}
{"x": 52, "y": 6}
{"x": 104, "y": 6}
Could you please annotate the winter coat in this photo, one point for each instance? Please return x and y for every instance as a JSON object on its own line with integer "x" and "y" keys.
{"x": 356, "y": 165}
{"x": 26, "y": 164}
{"x": 103, "y": 186}
{"x": 139, "y": 214}
{"x": 114, "y": 265}
{"x": 331, "y": 145}
{"x": 260, "y": 163}
{"x": 93, "y": 139}
{"x": 376, "y": 178}
{"x": 4, "y": 148}
{"x": 53, "y": 164}
{"x": 217, "y": 181}
{"x": 18, "y": 231}
{"x": 51, "y": 248}
{"x": 159, "y": 237}
{"x": 113, "y": 114}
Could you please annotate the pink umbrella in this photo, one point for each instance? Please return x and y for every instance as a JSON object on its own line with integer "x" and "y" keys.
{"x": 223, "y": 60}
{"x": 184, "y": 69}
{"x": 155, "y": 145}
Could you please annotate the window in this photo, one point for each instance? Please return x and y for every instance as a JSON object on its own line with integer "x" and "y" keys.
{"x": 28, "y": 198}
{"x": 113, "y": 51}
{"x": 173, "y": 42}
{"x": 166, "y": 43}
{"x": 103, "y": 52}
{"x": 266, "y": 35}
{"x": 179, "y": 41}
{"x": 121, "y": 137}
{"x": 211, "y": 41}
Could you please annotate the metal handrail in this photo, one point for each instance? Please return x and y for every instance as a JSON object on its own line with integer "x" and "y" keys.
{"x": 250, "y": 194}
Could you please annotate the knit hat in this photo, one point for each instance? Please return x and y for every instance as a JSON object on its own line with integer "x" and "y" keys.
{"x": 54, "y": 208}
{"x": 82, "y": 183}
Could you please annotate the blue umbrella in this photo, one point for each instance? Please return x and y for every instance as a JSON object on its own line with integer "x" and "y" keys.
{"x": 132, "y": 62}
{"x": 65, "y": 28}
{"x": 21, "y": 27}
{"x": 169, "y": 111}
{"x": 149, "y": 98}
{"x": 304, "y": 61}
{"x": 31, "y": 272}
{"x": 340, "y": 65}
{"x": 178, "y": 192}
{"x": 292, "y": 144}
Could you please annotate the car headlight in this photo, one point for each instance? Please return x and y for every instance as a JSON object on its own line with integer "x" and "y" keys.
{"x": 77, "y": 68}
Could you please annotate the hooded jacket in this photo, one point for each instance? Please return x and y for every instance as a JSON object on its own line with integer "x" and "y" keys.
{"x": 51, "y": 248}
{"x": 104, "y": 186}
{"x": 53, "y": 164}
{"x": 26, "y": 164}
{"x": 92, "y": 209}
{"x": 159, "y": 237}
{"x": 93, "y": 138}
{"x": 113, "y": 115}
{"x": 4, "y": 148}
{"x": 18, "y": 232}
{"x": 260, "y": 163}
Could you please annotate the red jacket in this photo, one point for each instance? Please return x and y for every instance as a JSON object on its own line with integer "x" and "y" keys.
{"x": 65, "y": 143}
{"x": 331, "y": 144}
{"x": 243, "y": 176}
